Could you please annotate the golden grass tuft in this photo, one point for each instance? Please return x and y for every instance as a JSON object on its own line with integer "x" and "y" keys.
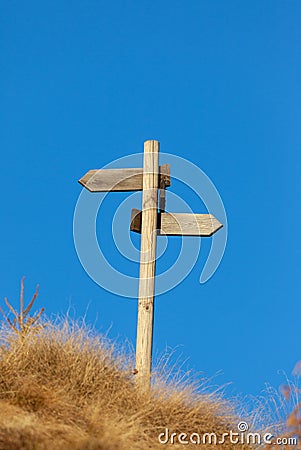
{"x": 65, "y": 388}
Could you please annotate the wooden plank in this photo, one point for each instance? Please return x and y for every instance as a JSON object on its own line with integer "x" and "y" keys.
{"x": 136, "y": 219}
{"x": 163, "y": 183}
{"x": 105, "y": 180}
{"x": 120, "y": 180}
{"x": 178, "y": 224}
{"x": 147, "y": 265}
{"x": 162, "y": 199}
{"x": 164, "y": 175}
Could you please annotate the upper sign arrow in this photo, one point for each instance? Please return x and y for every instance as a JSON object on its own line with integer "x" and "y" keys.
{"x": 121, "y": 180}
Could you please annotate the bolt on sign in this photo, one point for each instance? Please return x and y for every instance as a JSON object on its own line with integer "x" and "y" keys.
{"x": 151, "y": 221}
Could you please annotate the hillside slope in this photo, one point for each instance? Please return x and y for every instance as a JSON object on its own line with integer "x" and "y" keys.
{"x": 64, "y": 389}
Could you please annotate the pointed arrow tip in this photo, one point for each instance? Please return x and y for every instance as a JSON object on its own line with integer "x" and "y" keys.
{"x": 84, "y": 183}
{"x": 216, "y": 225}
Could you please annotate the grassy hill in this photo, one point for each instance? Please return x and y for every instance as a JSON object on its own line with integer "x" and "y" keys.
{"x": 63, "y": 388}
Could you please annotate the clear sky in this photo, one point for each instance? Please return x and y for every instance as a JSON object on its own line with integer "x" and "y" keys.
{"x": 216, "y": 82}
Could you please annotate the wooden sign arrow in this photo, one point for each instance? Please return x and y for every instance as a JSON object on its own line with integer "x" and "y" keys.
{"x": 120, "y": 180}
{"x": 178, "y": 224}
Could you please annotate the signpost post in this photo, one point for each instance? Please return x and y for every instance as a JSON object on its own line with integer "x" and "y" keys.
{"x": 151, "y": 222}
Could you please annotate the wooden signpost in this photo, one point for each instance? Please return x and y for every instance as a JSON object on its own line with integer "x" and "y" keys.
{"x": 151, "y": 222}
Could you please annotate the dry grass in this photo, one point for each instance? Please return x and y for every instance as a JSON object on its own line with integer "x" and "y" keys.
{"x": 64, "y": 388}
{"x": 22, "y": 323}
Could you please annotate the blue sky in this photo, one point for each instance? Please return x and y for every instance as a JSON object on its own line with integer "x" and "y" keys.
{"x": 218, "y": 83}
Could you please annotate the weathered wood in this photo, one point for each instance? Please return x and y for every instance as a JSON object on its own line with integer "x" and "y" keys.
{"x": 121, "y": 180}
{"x": 162, "y": 199}
{"x": 164, "y": 182}
{"x": 164, "y": 175}
{"x": 175, "y": 224}
{"x": 136, "y": 219}
{"x": 149, "y": 222}
{"x": 147, "y": 265}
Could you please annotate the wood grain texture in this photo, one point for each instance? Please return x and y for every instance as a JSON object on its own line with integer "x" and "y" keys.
{"x": 177, "y": 224}
{"x": 136, "y": 220}
{"x": 147, "y": 265}
{"x": 120, "y": 180}
{"x": 164, "y": 182}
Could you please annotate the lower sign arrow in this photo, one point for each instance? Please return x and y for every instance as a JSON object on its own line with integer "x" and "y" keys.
{"x": 179, "y": 224}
